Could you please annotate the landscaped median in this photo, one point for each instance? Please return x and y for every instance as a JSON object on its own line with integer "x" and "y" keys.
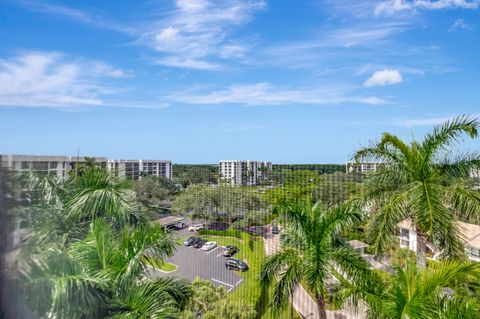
{"x": 165, "y": 266}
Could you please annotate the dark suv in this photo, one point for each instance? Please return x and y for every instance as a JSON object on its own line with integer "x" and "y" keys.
{"x": 230, "y": 251}
{"x": 235, "y": 264}
{"x": 199, "y": 243}
{"x": 190, "y": 241}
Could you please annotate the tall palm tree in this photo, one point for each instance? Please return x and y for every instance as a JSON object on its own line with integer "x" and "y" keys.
{"x": 106, "y": 275}
{"x": 413, "y": 293}
{"x": 421, "y": 181}
{"x": 311, "y": 253}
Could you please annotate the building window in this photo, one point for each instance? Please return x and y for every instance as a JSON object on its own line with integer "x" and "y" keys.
{"x": 404, "y": 232}
{"x": 474, "y": 251}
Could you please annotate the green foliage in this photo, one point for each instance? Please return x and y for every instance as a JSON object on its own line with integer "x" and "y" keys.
{"x": 195, "y": 174}
{"x": 213, "y": 201}
{"x": 152, "y": 190}
{"x": 310, "y": 253}
{"x": 210, "y": 302}
{"x": 421, "y": 294}
{"x": 422, "y": 181}
{"x": 330, "y": 189}
{"x": 227, "y": 232}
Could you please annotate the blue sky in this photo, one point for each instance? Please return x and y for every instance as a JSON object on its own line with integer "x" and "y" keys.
{"x": 197, "y": 81}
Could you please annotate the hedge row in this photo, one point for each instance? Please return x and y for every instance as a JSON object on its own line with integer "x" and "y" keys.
{"x": 228, "y": 232}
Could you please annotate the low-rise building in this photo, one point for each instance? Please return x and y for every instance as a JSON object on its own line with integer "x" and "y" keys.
{"x": 470, "y": 234}
{"x": 244, "y": 172}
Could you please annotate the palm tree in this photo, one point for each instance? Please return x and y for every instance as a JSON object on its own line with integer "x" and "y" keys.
{"x": 422, "y": 181}
{"x": 106, "y": 275}
{"x": 312, "y": 254}
{"x": 420, "y": 293}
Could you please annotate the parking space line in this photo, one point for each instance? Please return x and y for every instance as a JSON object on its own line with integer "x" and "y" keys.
{"x": 219, "y": 255}
{"x": 213, "y": 250}
{"x": 222, "y": 283}
{"x": 239, "y": 282}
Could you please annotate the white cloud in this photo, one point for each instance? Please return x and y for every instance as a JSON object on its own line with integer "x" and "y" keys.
{"x": 460, "y": 24}
{"x": 75, "y": 14}
{"x": 196, "y": 32}
{"x": 423, "y": 121}
{"x": 266, "y": 94}
{"x": 390, "y": 7}
{"x": 384, "y": 77}
{"x": 39, "y": 79}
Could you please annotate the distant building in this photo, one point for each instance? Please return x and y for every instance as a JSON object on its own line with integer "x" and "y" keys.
{"x": 58, "y": 166}
{"x": 135, "y": 169}
{"x": 469, "y": 232}
{"x": 244, "y": 172}
{"x": 354, "y": 167}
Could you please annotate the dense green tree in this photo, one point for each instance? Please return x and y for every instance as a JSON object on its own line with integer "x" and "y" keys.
{"x": 216, "y": 201}
{"x": 195, "y": 174}
{"x": 311, "y": 253}
{"x": 420, "y": 181}
{"x": 210, "y": 302}
{"x": 412, "y": 293}
{"x": 152, "y": 190}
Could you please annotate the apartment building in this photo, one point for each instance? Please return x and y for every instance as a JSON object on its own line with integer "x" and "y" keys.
{"x": 57, "y": 166}
{"x": 135, "y": 169}
{"x": 470, "y": 233}
{"x": 354, "y": 167}
{"x": 244, "y": 172}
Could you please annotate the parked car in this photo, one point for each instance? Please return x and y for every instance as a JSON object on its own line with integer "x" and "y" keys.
{"x": 190, "y": 241}
{"x": 209, "y": 245}
{"x": 229, "y": 251}
{"x": 236, "y": 264}
{"x": 275, "y": 229}
{"x": 196, "y": 227}
{"x": 199, "y": 243}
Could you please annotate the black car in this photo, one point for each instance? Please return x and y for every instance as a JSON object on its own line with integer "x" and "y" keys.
{"x": 229, "y": 251}
{"x": 190, "y": 241}
{"x": 235, "y": 264}
{"x": 275, "y": 229}
{"x": 199, "y": 243}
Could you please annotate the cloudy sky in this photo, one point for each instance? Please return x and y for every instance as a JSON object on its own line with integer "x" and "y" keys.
{"x": 197, "y": 81}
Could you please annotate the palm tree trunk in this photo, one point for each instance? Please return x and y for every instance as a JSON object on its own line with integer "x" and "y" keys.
{"x": 322, "y": 314}
{"x": 421, "y": 251}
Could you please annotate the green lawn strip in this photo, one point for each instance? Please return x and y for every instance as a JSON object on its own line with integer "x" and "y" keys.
{"x": 165, "y": 266}
{"x": 252, "y": 251}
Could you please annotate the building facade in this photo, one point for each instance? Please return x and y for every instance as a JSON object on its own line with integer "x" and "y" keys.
{"x": 60, "y": 166}
{"x": 135, "y": 169}
{"x": 354, "y": 167}
{"x": 57, "y": 166}
{"x": 244, "y": 172}
{"x": 469, "y": 232}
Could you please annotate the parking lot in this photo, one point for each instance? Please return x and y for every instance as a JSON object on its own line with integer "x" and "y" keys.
{"x": 210, "y": 265}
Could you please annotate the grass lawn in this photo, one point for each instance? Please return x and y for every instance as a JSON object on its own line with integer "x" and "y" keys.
{"x": 165, "y": 267}
{"x": 252, "y": 251}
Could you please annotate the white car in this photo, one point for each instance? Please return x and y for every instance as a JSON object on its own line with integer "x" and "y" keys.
{"x": 209, "y": 245}
{"x": 195, "y": 227}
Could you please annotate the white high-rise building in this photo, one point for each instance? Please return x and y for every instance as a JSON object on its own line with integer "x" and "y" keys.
{"x": 57, "y": 166}
{"x": 244, "y": 172}
{"x": 135, "y": 169}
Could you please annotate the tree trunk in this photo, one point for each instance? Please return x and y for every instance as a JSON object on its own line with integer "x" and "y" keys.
{"x": 322, "y": 314}
{"x": 421, "y": 251}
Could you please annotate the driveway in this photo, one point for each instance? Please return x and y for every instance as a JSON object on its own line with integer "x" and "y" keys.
{"x": 209, "y": 265}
